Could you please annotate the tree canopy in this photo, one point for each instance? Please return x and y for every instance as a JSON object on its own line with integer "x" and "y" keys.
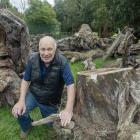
{"x": 40, "y": 13}
{"x": 101, "y": 15}
{"x": 104, "y": 16}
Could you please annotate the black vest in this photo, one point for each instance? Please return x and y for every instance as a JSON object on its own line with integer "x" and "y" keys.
{"x": 49, "y": 90}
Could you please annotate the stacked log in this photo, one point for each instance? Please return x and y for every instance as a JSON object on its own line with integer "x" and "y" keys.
{"x": 124, "y": 46}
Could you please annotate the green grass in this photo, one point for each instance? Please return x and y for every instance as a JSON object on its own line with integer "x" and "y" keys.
{"x": 9, "y": 128}
{"x": 76, "y": 67}
{"x": 100, "y": 62}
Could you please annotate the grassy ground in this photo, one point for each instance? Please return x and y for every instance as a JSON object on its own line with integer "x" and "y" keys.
{"x": 78, "y": 66}
{"x": 9, "y": 129}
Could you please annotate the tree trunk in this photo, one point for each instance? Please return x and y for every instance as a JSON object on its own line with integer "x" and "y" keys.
{"x": 100, "y": 102}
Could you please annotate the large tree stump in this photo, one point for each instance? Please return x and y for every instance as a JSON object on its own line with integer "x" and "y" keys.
{"x": 100, "y": 101}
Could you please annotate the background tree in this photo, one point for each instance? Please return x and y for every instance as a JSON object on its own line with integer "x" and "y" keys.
{"x": 4, "y": 4}
{"x": 41, "y": 17}
{"x": 104, "y": 16}
{"x": 70, "y": 14}
{"x": 125, "y": 12}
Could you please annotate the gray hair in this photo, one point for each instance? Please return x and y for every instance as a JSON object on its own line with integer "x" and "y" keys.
{"x": 49, "y": 38}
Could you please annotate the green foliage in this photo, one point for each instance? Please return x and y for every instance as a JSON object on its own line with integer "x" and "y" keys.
{"x": 40, "y": 16}
{"x": 43, "y": 28}
{"x": 102, "y": 15}
{"x": 69, "y": 13}
{"x": 5, "y": 3}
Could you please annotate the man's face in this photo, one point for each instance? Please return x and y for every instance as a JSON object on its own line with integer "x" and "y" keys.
{"x": 47, "y": 51}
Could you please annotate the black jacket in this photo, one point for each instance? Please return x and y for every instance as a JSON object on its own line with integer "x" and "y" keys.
{"x": 49, "y": 90}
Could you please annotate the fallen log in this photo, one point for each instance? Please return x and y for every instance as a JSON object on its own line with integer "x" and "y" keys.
{"x": 77, "y": 56}
{"x": 122, "y": 46}
{"x": 114, "y": 46}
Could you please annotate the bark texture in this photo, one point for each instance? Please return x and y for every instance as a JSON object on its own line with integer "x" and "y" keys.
{"x": 14, "y": 49}
{"x": 107, "y": 105}
{"x": 14, "y": 39}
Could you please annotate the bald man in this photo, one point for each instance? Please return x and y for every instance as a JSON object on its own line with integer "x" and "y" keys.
{"x": 46, "y": 73}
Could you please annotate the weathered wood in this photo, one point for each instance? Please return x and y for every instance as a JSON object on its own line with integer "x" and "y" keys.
{"x": 53, "y": 118}
{"x": 128, "y": 110}
{"x": 96, "y": 110}
{"x": 14, "y": 49}
{"x": 123, "y": 46}
{"x": 46, "y": 120}
{"x": 125, "y": 49}
{"x": 114, "y": 46}
{"x": 14, "y": 38}
{"x": 82, "y": 40}
{"x": 76, "y": 56}
{"x": 9, "y": 87}
{"x": 88, "y": 64}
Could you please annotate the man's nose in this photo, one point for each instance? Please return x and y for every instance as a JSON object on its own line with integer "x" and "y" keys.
{"x": 46, "y": 52}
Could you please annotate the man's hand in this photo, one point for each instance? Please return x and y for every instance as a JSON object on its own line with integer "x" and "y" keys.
{"x": 67, "y": 113}
{"x": 65, "y": 117}
{"x": 18, "y": 109}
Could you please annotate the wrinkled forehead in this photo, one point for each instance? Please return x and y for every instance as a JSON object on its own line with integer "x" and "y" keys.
{"x": 47, "y": 42}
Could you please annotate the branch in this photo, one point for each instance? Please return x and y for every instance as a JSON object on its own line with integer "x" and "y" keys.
{"x": 52, "y": 118}
{"x": 46, "y": 120}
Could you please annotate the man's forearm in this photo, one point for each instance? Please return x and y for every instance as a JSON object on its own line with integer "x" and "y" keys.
{"x": 70, "y": 97}
{"x": 23, "y": 90}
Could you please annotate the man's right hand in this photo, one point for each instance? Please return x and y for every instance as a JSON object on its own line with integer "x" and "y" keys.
{"x": 19, "y": 109}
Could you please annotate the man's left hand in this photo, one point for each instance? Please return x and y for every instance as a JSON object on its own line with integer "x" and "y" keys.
{"x": 65, "y": 117}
